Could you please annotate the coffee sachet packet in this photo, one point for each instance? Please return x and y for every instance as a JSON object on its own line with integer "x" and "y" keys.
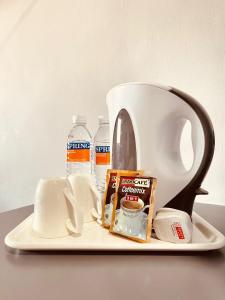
{"x": 111, "y": 180}
{"x": 134, "y": 207}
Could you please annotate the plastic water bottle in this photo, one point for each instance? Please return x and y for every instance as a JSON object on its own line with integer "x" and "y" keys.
{"x": 102, "y": 153}
{"x": 79, "y": 155}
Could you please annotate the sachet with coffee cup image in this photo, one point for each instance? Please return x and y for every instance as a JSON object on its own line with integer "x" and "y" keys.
{"x": 111, "y": 180}
{"x": 133, "y": 207}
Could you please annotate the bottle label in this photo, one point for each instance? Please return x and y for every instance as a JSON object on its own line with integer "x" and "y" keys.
{"x": 102, "y": 155}
{"x": 78, "y": 152}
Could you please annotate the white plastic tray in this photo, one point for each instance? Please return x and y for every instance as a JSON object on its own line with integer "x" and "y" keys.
{"x": 94, "y": 237}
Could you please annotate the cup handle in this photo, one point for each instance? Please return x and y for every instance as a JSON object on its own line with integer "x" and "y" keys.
{"x": 77, "y": 213}
{"x": 95, "y": 214}
{"x": 146, "y": 206}
{"x": 97, "y": 209}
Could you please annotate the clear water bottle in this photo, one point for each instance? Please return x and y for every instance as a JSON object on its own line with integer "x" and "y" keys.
{"x": 102, "y": 153}
{"x": 79, "y": 154}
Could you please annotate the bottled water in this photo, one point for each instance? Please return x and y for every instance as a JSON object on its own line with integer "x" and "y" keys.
{"x": 102, "y": 153}
{"x": 79, "y": 154}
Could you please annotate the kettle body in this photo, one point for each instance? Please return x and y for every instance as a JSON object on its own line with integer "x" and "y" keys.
{"x": 146, "y": 123}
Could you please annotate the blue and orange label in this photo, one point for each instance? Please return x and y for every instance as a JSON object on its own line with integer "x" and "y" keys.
{"x": 102, "y": 155}
{"x": 78, "y": 152}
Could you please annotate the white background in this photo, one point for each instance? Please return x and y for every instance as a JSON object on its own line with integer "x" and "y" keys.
{"x": 61, "y": 57}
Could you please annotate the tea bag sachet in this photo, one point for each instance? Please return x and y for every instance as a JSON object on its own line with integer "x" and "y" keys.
{"x": 133, "y": 207}
{"x": 111, "y": 180}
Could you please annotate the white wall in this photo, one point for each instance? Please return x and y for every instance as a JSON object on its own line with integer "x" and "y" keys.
{"x": 61, "y": 57}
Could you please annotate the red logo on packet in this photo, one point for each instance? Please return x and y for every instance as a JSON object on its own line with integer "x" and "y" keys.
{"x": 127, "y": 181}
{"x": 131, "y": 198}
{"x": 179, "y": 232}
{"x": 113, "y": 178}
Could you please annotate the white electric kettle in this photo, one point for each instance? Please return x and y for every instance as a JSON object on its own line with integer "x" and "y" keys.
{"x": 146, "y": 123}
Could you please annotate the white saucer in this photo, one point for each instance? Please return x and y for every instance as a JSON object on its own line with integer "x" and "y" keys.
{"x": 122, "y": 225}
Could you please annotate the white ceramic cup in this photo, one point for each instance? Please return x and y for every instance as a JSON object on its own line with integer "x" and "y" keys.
{"x": 133, "y": 212}
{"x": 86, "y": 194}
{"x": 56, "y": 211}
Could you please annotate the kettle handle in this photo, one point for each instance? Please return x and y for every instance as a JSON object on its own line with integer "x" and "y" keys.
{"x": 184, "y": 200}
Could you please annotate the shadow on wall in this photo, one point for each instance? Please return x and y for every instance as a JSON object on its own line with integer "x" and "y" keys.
{"x": 14, "y": 23}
